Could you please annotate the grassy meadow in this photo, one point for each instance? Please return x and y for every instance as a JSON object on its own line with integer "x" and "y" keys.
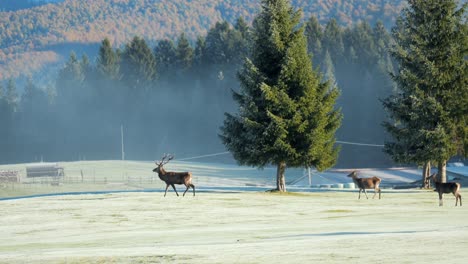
{"x": 232, "y": 226}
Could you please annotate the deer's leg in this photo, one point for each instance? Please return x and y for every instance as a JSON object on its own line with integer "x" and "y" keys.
{"x": 365, "y": 193}
{"x": 188, "y": 186}
{"x": 441, "y": 202}
{"x": 167, "y": 186}
{"x": 375, "y": 192}
{"x": 458, "y": 197}
{"x": 174, "y": 189}
{"x": 359, "y": 193}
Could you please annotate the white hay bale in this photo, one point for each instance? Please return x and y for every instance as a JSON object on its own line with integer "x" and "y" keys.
{"x": 349, "y": 185}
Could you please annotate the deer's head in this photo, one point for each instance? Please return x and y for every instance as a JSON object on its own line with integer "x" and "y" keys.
{"x": 352, "y": 174}
{"x": 434, "y": 177}
{"x": 159, "y": 164}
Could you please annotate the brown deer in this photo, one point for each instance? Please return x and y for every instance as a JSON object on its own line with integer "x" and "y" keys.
{"x": 447, "y": 187}
{"x": 171, "y": 178}
{"x": 366, "y": 183}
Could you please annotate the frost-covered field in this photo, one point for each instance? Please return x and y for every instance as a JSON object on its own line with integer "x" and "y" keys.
{"x": 227, "y": 222}
{"x": 234, "y": 227}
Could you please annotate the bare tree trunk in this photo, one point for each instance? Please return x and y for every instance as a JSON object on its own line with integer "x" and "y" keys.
{"x": 442, "y": 171}
{"x": 280, "y": 180}
{"x": 426, "y": 183}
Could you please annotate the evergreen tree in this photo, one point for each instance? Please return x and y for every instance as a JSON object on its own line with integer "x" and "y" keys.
{"x": 70, "y": 80}
{"x": 244, "y": 38}
{"x": 34, "y": 113}
{"x": 216, "y": 45}
{"x": 4, "y": 109}
{"x": 165, "y": 55}
{"x": 428, "y": 112}
{"x": 6, "y": 121}
{"x": 286, "y": 114}
{"x": 30, "y": 96}
{"x": 333, "y": 39}
{"x": 314, "y": 34}
{"x": 184, "y": 54}
{"x": 199, "y": 58}
{"x": 107, "y": 63}
{"x": 328, "y": 69}
{"x": 362, "y": 40}
{"x": 138, "y": 64}
{"x": 199, "y": 50}
{"x": 11, "y": 95}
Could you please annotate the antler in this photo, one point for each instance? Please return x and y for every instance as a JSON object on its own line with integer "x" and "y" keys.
{"x": 165, "y": 159}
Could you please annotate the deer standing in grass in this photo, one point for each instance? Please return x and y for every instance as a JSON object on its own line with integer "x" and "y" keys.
{"x": 171, "y": 178}
{"x": 366, "y": 183}
{"x": 446, "y": 187}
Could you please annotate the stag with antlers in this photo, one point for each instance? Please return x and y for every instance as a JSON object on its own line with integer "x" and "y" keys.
{"x": 366, "y": 183}
{"x": 171, "y": 178}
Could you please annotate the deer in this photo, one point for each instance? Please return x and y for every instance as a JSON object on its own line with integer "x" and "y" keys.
{"x": 446, "y": 187}
{"x": 366, "y": 183}
{"x": 171, "y": 178}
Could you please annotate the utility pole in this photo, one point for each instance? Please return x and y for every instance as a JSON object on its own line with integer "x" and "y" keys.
{"x": 122, "y": 137}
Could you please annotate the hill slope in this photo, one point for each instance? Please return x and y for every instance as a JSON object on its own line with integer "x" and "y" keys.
{"x": 31, "y": 38}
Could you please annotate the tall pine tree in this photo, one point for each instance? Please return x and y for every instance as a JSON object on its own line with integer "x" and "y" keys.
{"x": 428, "y": 112}
{"x": 286, "y": 113}
{"x": 107, "y": 63}
{"x": 138, "y": 65}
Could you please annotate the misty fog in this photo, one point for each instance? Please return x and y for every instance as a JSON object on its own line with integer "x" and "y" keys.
{"x": 171, "y": 96}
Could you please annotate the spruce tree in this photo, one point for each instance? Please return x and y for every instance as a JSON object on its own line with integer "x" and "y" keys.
{"x": 107, "y": 63}
{"x": 428, "y": 113}
{"x": 333, "y": 39}
{"x": 184, "y": 54}
{"x": 165, "y": 55}
{"x": 11, "y": 95}
{"x": 138, "y": 64}
{"x": 314, "y": 34}
{"x": 199, "y": 58}
{"x": 70, "y": 79}
{"x": 286, "y": 113}
{"x": 4, "y": 109}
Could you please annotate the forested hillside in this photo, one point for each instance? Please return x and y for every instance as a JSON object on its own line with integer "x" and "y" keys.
{"x": 171, "y": 96}
{"x": 33, "y": 37}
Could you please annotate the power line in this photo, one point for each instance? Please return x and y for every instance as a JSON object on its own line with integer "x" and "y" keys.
{"x": 203, "y": 156}
{"x": 359, "y": 144}
{"x": 227, "y": 152}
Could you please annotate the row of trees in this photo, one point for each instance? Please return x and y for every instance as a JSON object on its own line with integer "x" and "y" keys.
{"x": 429, "y": 113}
{"x": 187, "y": 84}
{"x": 171, "y": 97}
{"x": 287, "y": 115}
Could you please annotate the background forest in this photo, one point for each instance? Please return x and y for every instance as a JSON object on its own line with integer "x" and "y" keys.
{"x": 36, "y": 34}
{"x": 171, "y": 95}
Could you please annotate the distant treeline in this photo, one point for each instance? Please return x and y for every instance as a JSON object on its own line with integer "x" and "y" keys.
{"x": 30, "y": 39}
{"x": 172, "y": 96}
